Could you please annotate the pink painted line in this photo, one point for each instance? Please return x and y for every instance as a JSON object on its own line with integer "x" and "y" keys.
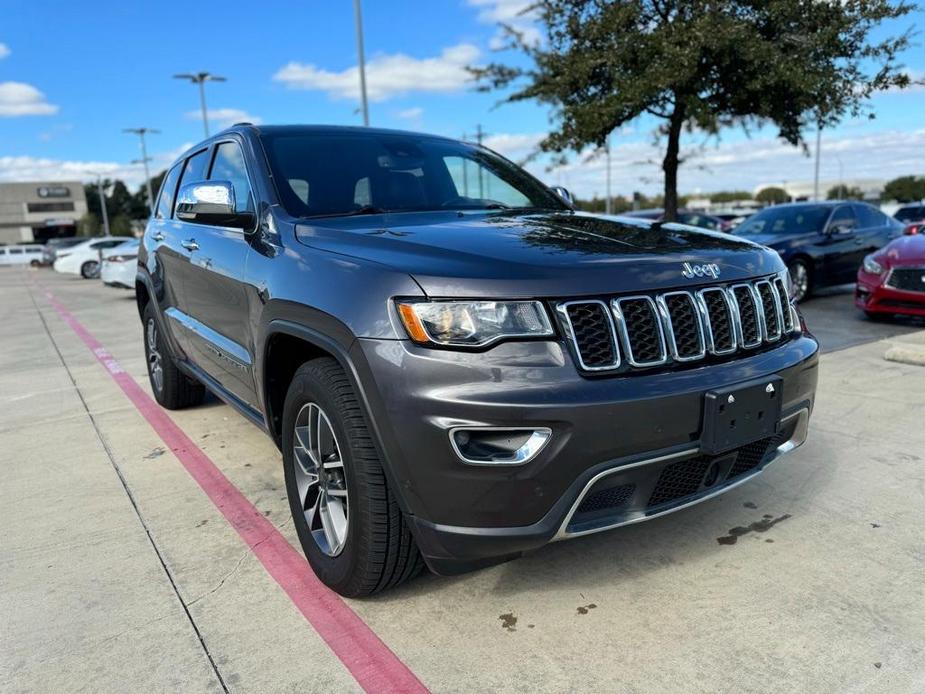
{"x": 374, "y": 666}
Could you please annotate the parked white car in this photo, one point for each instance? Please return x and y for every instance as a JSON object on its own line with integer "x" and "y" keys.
{"x": 24, "y": 254}
{"x": 120, "y": 264}
{"x": 84, "y": 258}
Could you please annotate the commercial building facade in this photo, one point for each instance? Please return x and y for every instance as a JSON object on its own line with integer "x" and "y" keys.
{"x": 40, "y": 210}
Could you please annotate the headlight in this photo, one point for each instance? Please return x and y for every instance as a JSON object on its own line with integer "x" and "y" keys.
{"x": 872, "y": 266}
{"x": 473, "y": 323}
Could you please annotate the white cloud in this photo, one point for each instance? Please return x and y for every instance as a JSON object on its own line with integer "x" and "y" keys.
{"x": 21, "y": 99}
{"x": 225, "y": 116}
{"x": 742, "y": 164}
{"x": 414, "y": 113}
{"x": 511, "y": 12}
{"x": 513, "y": 145}
{"x": 28, "y": 168}
{"x": 387, "y": 75}
{"x": 4, "y": 50}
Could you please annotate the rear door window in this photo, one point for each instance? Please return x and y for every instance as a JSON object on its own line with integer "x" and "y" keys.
{"x": 843, "y": 216}
{"x": 168, "y": 190}
{"x": 869, "y": 218}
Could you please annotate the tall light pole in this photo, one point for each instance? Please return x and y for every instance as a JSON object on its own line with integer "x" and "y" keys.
{"x": 201, "y": 78}
{"x": 816, "y": 176}
{"x": 147, "y": 180}
{"x": 608, "y": 206}
{"x": 99, "y": 189}
{"x": 358, "y": 16}
{"x": 145, "y": 159}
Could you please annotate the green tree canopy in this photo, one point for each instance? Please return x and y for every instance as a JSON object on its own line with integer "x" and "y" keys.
{"x": 772, "y": 195}
{"x": 843, "y": 192}
{"x": 730, "y": 196}
{"x": 699, "y": 64}
{"x": 905, "y": 189}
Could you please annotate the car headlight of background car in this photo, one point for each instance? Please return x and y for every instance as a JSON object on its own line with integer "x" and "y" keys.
{"x": 872, "y": 266}
{"x": 473, "y": 323}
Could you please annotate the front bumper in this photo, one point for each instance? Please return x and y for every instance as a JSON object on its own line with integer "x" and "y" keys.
{"x": 120, "y": 275}
{"x": 609, "y": 431}
{"x": 873, "y": 296}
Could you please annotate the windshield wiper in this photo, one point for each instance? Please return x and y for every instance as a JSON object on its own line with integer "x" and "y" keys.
{"x": 365, "y": 209}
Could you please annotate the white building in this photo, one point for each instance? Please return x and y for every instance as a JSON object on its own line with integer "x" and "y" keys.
{"x": 872, "y": 188}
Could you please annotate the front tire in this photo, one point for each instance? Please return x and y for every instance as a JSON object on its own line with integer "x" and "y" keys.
{"x": 801, "y": 278}
{"x": 348, "y": 520}
{"x": 90, "y": 269}
{"x": 172, "y": 388}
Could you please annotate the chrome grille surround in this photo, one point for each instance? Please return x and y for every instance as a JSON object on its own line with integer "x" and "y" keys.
{"x": 711, "y": 306}
{"x": 623, "y": 331}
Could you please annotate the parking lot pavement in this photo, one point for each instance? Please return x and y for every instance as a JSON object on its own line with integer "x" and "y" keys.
{"x": 806, "y": 579}
{"x": 837, "y": 324}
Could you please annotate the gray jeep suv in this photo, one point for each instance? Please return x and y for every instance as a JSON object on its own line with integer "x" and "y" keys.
{"x": 456, "y": 365}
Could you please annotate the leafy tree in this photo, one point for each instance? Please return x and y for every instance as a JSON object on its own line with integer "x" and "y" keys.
{"x": 700, "y": 64}
{"x": 120, "y": 225}
{"x": 772, "y": 195}
{"x": 730, "y": 196}
{"x": 843, "y": 192}
{"x": 905, "y": 189}
{"x": 88, "y": 225}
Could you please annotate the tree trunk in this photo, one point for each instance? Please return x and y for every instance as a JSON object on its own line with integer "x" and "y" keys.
{"x": 670, "y": 163}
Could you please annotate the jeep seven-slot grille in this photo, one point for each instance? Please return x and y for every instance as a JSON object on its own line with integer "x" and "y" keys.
{"x": 677, "y": 326}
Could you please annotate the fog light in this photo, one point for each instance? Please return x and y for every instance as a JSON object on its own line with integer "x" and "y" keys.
{"x": 498, "y": 445}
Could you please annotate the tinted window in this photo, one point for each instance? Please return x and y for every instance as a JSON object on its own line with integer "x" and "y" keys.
{"x": 229, "y": 166}
{"x": 912, "y": 213}
{"x": 15, "y": 251}
{"x": 168, "y": 190}
{"x": 869, "y": 217}
{"x": 786, "y": 220}
{"x": 195, "y": 168}
{"x": 329, "y": 173}
{"x": 844, "y": 217}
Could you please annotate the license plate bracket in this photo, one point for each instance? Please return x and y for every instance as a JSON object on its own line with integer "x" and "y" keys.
{"x": 740, "y": 414}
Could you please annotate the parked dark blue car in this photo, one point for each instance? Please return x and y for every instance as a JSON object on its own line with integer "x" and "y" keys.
{"x": 822, "y": 243}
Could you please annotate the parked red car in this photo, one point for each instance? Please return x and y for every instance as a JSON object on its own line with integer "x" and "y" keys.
{"x": 892, "y": 280}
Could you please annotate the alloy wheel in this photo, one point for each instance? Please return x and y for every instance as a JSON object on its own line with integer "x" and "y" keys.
{"x": 320, "y": 479}
{"x": 155, "y": 363}
{"x": 799, "y": 276}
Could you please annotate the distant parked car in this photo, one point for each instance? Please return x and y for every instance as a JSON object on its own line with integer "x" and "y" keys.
{"x": 689, "y": 217}
{"x": 914, "y": 212}
{"x": 119, "y": 265}
{"x": 22, "y": 254}
{"x": 892, "y": 280}
{"x": 53, "y": 246}
{"x": 84, "y": 258}
{"x": 822, "y": 243}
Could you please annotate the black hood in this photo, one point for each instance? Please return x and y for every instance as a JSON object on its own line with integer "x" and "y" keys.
{"x": 505, "y": 255}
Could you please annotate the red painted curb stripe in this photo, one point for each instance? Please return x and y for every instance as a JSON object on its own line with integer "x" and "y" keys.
{"x": 374, "y": 666}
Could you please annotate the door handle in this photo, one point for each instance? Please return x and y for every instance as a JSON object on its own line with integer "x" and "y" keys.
{"x": 858, "y": 240}
{"x": 157, "y": 236}
{"x": 190, "y": 244}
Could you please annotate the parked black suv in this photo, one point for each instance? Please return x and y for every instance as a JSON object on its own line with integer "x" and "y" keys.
{"x": 456, "y": 365}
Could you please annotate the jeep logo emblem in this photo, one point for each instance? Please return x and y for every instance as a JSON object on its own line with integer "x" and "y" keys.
{"x": 705, "y": 270}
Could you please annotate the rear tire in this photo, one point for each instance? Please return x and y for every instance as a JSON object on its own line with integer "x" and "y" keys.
{"x": 333, "y": 473}
{"x": 172, "y": 388}
{"x": 90, "y": 269}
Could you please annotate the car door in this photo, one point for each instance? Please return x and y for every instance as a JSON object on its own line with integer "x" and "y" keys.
{"x": 842, "y": 246}
{"x": 216, "y": 300}
{"x": 169, "y": 237}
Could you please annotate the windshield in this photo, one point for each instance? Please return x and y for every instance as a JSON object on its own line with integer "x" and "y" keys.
{"x": 328, "y": 173}
{"x": 786, "y": 220}
{"x": 911, "y": 214}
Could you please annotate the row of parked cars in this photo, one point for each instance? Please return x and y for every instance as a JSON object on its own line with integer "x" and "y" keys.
{"x": 110, "y": 258}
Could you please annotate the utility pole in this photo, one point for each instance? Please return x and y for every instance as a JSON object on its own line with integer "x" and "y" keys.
{"x": 478, "y": 138}
{"x": 608, "y": 206}
{"x": 144, "y": 159}
{"x": 816, "y": 176}
{"x": 201, "y": 78}
{"x": 358, "y": 16}
{"x": 99, "y": 189}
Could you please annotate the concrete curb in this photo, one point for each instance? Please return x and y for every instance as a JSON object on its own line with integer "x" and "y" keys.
{"x": 906, "y": 354}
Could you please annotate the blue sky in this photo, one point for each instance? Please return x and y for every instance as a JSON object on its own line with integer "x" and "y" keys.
{"x": 72, "y": 75}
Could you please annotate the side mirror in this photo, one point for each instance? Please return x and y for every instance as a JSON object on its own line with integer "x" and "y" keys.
{"x": 211, "y": 202}
{"x": 564, "y": 194}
